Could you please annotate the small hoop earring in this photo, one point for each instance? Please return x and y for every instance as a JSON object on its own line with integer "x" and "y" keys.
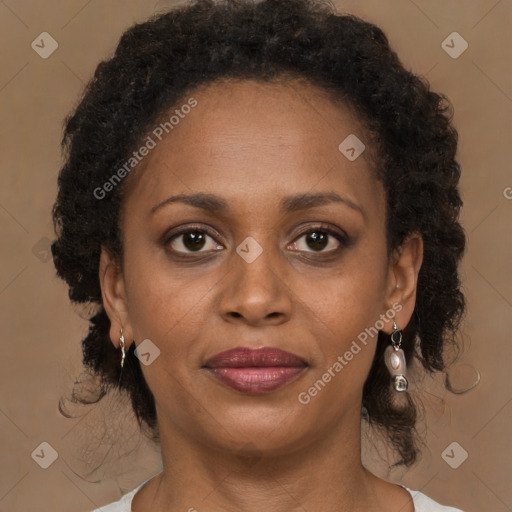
{"x": 123, "y": 353}
{"x": 394, "y": 358}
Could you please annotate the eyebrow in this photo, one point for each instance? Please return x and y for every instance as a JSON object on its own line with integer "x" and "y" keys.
{"x": 289, "y": 204}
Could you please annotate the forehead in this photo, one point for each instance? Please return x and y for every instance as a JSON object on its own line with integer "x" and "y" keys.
{"x": 249, "y": 140}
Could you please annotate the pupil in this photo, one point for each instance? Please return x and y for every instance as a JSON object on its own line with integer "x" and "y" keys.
{"x": 319, "y": 240}
{"x": 193, "y": 240}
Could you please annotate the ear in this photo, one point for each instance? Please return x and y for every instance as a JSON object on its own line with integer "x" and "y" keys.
{"x": 114, "y": 298}
{"x": 402, "y": 281}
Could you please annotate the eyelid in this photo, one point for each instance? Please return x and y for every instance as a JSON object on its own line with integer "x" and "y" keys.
{"x": 188, "y": 256}
{"x": 187, "y": 228}
{"x": 339, "y": 234}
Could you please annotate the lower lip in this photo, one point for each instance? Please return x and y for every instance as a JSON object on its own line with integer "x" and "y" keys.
{"x": 257, "y": 380}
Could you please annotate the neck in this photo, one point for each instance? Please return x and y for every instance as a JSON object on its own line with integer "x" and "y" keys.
{"x": 323, "y": 475}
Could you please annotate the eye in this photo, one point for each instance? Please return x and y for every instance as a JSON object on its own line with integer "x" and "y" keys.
{"x": 319, "y": 239}
{"x": 192, "y": 240}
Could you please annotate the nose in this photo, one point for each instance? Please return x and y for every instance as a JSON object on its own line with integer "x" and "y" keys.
{"x": 256, "y": 293}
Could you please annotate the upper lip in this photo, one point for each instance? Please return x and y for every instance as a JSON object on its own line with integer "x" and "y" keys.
{"x": 243, "y": 357}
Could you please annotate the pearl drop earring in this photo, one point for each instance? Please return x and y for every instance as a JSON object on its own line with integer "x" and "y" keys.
{"x": 394, "y": 359}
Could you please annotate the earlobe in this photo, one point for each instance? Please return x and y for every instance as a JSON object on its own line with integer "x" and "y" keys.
{"x": 403, "y": 278}
{"x": 114, "y": 297}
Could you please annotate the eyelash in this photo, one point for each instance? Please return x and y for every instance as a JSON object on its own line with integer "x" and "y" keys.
{"x": 341, "y": 237}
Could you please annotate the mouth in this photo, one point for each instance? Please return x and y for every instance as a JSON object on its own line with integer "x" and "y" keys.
{"x": 255, "y": 371}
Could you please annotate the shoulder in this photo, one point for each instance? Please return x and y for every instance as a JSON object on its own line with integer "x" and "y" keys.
{"x": 122, "y": 505}
{"x": 423, "y": 503}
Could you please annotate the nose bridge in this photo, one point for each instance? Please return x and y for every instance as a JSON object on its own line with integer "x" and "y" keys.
{"x": 254, "y": 265}
{"x": 254, "y": 288}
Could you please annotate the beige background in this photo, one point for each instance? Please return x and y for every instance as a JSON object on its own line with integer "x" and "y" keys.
{"x": 40, "y": 331}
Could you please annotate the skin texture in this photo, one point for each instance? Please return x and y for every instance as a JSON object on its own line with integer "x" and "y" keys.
{"x": 254, "y": 144}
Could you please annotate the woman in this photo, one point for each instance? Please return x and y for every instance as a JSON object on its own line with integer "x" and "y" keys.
{"x": 263, "y": 202}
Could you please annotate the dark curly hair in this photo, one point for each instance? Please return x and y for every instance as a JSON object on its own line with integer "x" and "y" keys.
{"x": 160, "y": 61}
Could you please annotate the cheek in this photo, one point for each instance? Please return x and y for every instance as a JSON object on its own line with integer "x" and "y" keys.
{"x": 173, "y": 308}
{"x": 165, "y": 309}
{"x": 346, "y": 345}
{"x": 343, "y": 313}
{"x": 351, "y": 298}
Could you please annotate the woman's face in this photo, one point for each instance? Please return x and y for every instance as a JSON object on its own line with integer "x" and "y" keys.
{"x": 255, "y": 278}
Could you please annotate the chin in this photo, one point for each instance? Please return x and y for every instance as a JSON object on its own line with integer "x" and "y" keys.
{"x": 261, "y": 431}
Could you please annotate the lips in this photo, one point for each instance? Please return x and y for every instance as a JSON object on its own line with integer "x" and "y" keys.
{"x": 255, "y": 371}
{"x": 247, "y": 357}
